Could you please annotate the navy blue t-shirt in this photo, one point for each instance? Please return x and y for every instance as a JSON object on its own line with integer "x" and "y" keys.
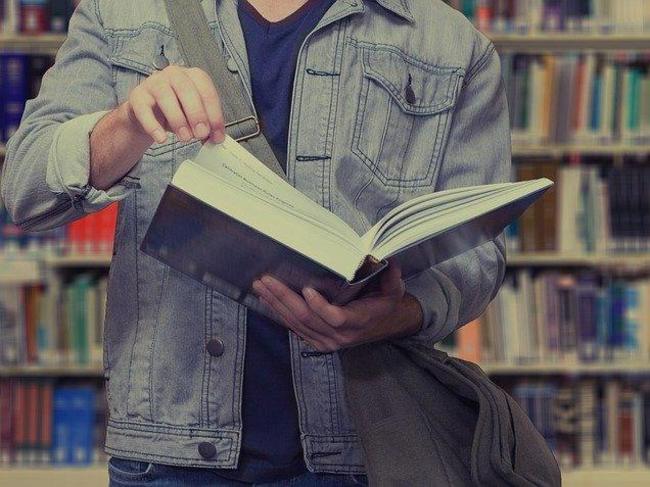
{"x": 271, "y": 447}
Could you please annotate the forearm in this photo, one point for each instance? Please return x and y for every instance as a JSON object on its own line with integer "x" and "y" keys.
{"x": 116, "y": 145}
{"x": 458, "y": 290}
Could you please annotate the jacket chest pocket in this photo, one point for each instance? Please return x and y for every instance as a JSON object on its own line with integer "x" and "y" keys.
{"x": 134, "y": 59}
{"x": 403, "y": 116}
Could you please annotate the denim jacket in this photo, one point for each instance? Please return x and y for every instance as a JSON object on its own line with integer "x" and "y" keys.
{"x": 359, "y": 144}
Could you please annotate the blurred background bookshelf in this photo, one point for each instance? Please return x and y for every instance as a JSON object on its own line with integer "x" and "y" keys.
{"x": 577, "y": 288}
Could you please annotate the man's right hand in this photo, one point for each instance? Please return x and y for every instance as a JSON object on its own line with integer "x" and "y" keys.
{"x": 180, "y": 100}
{"x": 177, "y": 99}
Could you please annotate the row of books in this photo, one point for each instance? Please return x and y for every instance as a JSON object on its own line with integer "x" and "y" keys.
{"x": 583, "y": 98}
{"x": 20, "y": 80}
{"x": 48, "y": 422}
{"x": 526, "y": 16}
{"x": 57, "y": 325}
{"x": 35, "y": 16}
{"x": 590, "y": 421}
{"x": 557, "y": 317}
{"x": 92, "y": 234}
{"x": 592, "y": 208}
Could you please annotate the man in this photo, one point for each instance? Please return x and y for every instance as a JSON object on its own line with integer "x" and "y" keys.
{"x": 367, "y": 103}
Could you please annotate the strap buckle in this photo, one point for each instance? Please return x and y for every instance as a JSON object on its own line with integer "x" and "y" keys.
{"x": 243, "y": 137}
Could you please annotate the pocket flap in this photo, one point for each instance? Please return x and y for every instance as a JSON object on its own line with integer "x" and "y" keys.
{"x": 139, "y": 52}
{"x": 434, "y": 88}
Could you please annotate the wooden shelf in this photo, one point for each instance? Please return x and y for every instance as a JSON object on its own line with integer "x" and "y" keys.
{"x": 553, "y": 259}
{"x": 549, "y": 41}
{"x": 559, "y": 150}
{"x": 31, "y": 44}
{"x": 78, "y": 260}
{"x": 98, "y": 475}
{"x": 621, "y": 367}
{"x": 601, "y": 477}
{"x": 20, "y": 271}
{"x": 55, "y": 476}
{"x": 90, "y": 371}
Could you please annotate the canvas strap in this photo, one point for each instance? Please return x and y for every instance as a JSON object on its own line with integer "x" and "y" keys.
{"x": 199, "y": 49}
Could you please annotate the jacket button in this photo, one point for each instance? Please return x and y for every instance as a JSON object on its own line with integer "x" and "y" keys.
{"x": 231, "y": 64}
{"x": 215, "y": 347}
{"x": 207, "y": 450}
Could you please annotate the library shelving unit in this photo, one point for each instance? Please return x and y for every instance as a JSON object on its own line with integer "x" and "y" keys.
{"x": 50, "y": 266}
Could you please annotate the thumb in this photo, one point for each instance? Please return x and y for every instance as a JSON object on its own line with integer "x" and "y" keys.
{"x": 391, "y": 280}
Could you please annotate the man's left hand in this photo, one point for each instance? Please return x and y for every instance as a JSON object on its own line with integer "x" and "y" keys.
{"x": 389, "y": 313}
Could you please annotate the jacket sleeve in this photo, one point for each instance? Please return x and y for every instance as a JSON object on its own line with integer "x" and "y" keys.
{"x": 46, "y": 169}
{"x": 458, "y": 290}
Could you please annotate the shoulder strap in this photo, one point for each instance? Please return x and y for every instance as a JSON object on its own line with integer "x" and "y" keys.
{"x": 200, "y": 49}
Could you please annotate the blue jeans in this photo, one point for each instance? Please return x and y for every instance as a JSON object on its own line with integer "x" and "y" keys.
{"x": 133, "y": 473}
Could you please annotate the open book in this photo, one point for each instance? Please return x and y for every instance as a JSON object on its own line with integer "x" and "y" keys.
{"x": 226, "y": 219}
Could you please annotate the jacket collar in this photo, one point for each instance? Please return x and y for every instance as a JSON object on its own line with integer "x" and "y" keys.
{"x": 398, "y": 7}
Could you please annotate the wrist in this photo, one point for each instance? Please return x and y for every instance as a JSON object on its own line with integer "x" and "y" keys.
{"x": 130, "y": 124}
{"x": 409, "y": 315}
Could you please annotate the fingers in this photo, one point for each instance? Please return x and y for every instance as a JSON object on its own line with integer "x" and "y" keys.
{"x": 336, "y": 316}
{"x": 392, "y": 283}
{"x": 141, "y": 106}
{"x": 295, "y": 313}
{"x": 187, "y": 101}
{"x": 211, "y": 103}
{"x": 167, "y": 100}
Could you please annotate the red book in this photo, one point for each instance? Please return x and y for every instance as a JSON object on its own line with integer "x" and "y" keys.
{"x": 31, "y": 426}
{"x": 107, "y": 223}
{"x": 45, "y": 431}
{"x": 33, "y": 18}
{"x": 6, "y": 423}
{"x": 18, "y": 428}
{"x": 74, "y": 234}
{"x": 469, "y": 341}
{"x": 32, "y": 304}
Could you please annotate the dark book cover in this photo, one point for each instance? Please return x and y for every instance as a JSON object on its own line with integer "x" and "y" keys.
{"x": 227, "y": 255}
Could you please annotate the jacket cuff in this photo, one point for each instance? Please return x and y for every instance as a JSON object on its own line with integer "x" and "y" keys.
{"x": 439, "y": 299}
{"x": 68, "y": 165}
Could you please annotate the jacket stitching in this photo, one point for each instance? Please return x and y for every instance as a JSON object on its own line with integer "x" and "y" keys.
{"x": 480, "y": 62}
{"x": 407, "y": 57}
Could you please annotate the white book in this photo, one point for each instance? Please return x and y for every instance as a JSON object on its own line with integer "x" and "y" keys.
{"x": 266, "y": 226}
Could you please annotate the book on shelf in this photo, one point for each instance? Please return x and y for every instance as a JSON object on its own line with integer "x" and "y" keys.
{"x": 586, "y": 98}
{"x": 565, "y": 318}
{"x": 92, "y": 234}
{"x": 33, "y": 17}
{"x": 591, "y": 209}
{"x": 551, "y": 16}
{"x": 48, "y": 422}
{"x": 589, "y": 422}
{"x": 265, "y": 225}
{"x": 20, "y": 80}
{"x": 61, "y": 324}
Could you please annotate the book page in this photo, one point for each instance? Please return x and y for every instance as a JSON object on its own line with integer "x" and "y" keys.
{"x": 278, "y": 218}
{"x": 433, "y": 221}
{"x": 419, "y": 207}
{"x": 232, "y": 162}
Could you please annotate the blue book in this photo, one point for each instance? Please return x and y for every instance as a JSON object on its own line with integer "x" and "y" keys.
{"x": 15, "y": 88}
{"x": 82, "y": 425}
{"x": 586, "y": 317}
{"x": 631, "y": 325}
{"x": 61, "y": 434}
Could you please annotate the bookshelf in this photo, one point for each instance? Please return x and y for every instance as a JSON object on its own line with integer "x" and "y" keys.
{"x": 559, "y": 42}
{"x": 66, "y": 477}
{"x": 534, "y": 42}
{"x": 55, "y": 477}
{"x": 47, "y": 44}
{"x": 48, "y": 266}
{"x": 560, "y": 150}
